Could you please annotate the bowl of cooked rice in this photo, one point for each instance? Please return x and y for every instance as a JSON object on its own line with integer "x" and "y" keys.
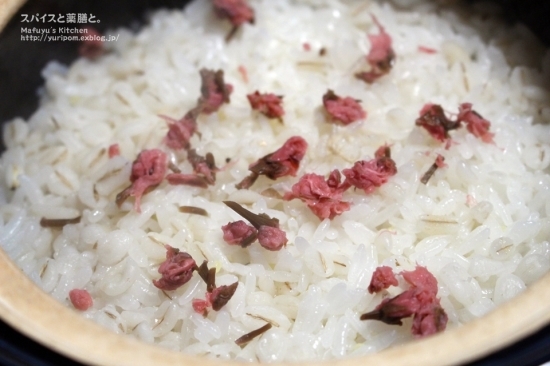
{"x": 290, "y": 181}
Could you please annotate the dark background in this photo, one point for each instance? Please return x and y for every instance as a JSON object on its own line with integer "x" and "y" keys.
{"x": 21, "y": 62}
{"x": 20, "y": 66}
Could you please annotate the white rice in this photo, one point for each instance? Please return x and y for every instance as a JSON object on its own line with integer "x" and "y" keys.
{"x": 492, "y": 201}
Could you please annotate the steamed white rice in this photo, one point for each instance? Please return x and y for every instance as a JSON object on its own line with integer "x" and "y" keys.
{"x": 481, "y": 225}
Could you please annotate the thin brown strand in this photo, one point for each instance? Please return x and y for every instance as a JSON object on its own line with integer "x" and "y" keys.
{"x": 259, "y": 317}
{"x": 271, "y": 193}
{"x": 202, "y": 270}
{"x": 225, "y": 294}
{"x": 250, "y": 336}
{"x": 193, "y": 210}
{"x": 211, "y": 280}
{"x": 231, "y": 33}
{"x": 63, "y": 180}
{"x": 249, "y": 239}
{"x": 173, "y": 167}
{"x": 58, "y": 223}
{"x": 255, "y": 219}
{"x": 45, "y": 266}
{"x": 426, "y": 177}
{"x": 323, "y": 262}
{"x": 98, "y": 157}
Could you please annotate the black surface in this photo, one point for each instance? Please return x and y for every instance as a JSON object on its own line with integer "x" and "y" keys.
{"x": 20, "y": 66}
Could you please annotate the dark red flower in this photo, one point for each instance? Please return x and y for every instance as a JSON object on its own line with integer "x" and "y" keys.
{"x": 419, "y": 301}
{"x": 367, "y": 175}
{"x": 433, "y": 119}
{"x": 239, "y": 233}
{"x": 476, "y": 125}
{"x": 269, "y": 104}
{"x": 236, "y": 11}
{"x": 214, "y": 91}
{"x": 180, "y": 131}
{"x": 176, "y": 270}
{"x": 269, "y": 235}
{"x": 391, "y": 311}
{"x": 271, "y": 238}
{"x": 345, "y": 110}
{"x": 380, "y": 57}
{"x": 284, "y": 161}
{"x": 148, "y": 171}
{"x": 203, "y": 166}
{"x": 92, "y": 46}
{"x": 324, "y": 198}
{"x": 382, "y": 278}
{"x": 429, "y": 319}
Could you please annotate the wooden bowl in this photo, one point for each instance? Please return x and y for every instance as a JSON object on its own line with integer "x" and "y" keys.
{"x": 34, "y": 313}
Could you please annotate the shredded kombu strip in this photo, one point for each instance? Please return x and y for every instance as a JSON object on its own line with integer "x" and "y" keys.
{"x": 285, "y": 161}
{"x": 243, "y": 340}
{"x": 148, "y": 171}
